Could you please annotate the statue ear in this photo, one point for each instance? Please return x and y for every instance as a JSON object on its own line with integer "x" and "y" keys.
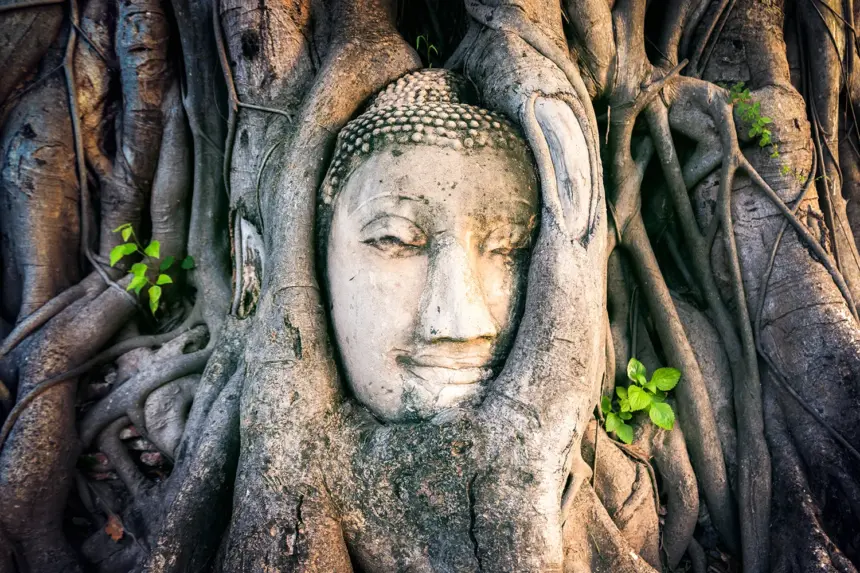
{"x": 249, "y": 260}
{"x": 573, "y": 195}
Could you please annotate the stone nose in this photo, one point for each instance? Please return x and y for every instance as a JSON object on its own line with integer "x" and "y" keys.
{"x": 453, "y": 306}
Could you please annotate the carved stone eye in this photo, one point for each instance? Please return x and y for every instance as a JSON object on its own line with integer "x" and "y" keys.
{"x": 394, "y": 236}
{"x": 506, "y": 240}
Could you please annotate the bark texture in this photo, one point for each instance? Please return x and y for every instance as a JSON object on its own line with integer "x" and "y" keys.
{"x": 699, "y": 171}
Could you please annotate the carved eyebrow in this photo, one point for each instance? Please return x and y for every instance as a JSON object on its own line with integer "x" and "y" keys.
{"x": 389, "y": 195}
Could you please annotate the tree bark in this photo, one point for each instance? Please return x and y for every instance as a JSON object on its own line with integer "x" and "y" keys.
{"x": 183, "y": 407}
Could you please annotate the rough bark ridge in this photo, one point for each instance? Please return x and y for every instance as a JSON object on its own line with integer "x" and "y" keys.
{"x": 684, "y": 221}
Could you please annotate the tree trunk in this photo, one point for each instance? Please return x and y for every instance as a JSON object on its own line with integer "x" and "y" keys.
{"x": 175, "y": 391}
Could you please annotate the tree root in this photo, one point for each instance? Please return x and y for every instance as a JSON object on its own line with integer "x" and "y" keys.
{"x": 199, "y": 510}
{"x": 23, "y": 4}
{"x": 129, "y": 398}
{"x": 108, "y": 442}
{"x": 694, "y": 402}
{"x": 698, "y": 559}
{"x": 604, "y": 550}
{"x": 44, "y": 313}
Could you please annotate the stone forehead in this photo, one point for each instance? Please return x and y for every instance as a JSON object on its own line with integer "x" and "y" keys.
{"x": 423, "y": 108}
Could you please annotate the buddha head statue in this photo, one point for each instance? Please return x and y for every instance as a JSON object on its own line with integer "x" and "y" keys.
{"x": 427, "y": 215}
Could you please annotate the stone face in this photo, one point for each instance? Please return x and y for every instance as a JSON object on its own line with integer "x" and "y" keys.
{"x": 428, "y": 213}
{"x": 426, "y": 260}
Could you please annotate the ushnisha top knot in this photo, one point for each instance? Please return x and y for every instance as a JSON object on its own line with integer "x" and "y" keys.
{"x": 427, "y": 107}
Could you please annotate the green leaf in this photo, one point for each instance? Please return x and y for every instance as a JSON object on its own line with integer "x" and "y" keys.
{"x": 752, "y": 132}
{"x": 126, "y": 233}
{"x": 136, "y": 284}
{"x": 166, "y": 263}
{"x": 639, "y": 398}
{"x": 662, "y": 415}
{"x": 625, "y": 433}
{"x": 139, "y": 269}
{"x": 188, "y": 263}
{"x": 121, "y": 227}
{"x": 153, "y": 249}
{"x": 625, "y": 415}
{"x": 129, "y": 248}
{"x": 766, "y": 120}
{"x": 154, "y": 297}
{"x": 666, "y": 378}
{"x": 605, "y": 405}
{"x": 613, "y": 422}
{"x": 163, "y": 280}
{"x": 651, "y": 386}
{"x": 636, "y": 371}
{"x": 621, "y": 392}
{"x": 116, "y": 253}
{"x": 658, "y": 396}
{"x": 624, "y": 404}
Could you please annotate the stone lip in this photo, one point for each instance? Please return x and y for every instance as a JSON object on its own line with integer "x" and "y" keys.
{"x": 450, "y": 368}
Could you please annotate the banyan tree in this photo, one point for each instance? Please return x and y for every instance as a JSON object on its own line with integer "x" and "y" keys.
{"x": 411, "y": 286}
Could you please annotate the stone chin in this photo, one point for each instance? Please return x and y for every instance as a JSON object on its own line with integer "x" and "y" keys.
{"x": 423, "y": 399}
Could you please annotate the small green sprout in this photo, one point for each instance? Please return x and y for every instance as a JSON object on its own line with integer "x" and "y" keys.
{"x": 430, "y": 48}
{"x": 750, "y": 112}
{"x": 642, "y": 394}
{"x": 142, "y": 271}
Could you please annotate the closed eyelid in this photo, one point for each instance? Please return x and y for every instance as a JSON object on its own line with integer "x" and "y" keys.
{"x": 517, "y": 233}
{"x": 387, "y": 218}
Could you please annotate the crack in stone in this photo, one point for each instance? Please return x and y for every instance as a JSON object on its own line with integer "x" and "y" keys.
{"x": 470, "y": 491}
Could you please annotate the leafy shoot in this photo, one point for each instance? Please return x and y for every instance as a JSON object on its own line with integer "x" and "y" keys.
{"x": 150, "y": 266}
{"x": 641, "y": 395}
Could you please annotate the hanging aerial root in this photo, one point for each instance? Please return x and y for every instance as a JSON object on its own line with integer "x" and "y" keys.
{"x": 233, "y": 96}
{"x": 820, "y": 254}
{"x": 696, "y": 414}
{"x": 753, "y": 458}
{"x": 777, "y": 373}
{"x": 80, "y": 156}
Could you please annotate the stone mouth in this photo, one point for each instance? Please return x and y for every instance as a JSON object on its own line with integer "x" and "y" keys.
{"x": 450, "y": 376}
{"x": 454, "y": 368}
